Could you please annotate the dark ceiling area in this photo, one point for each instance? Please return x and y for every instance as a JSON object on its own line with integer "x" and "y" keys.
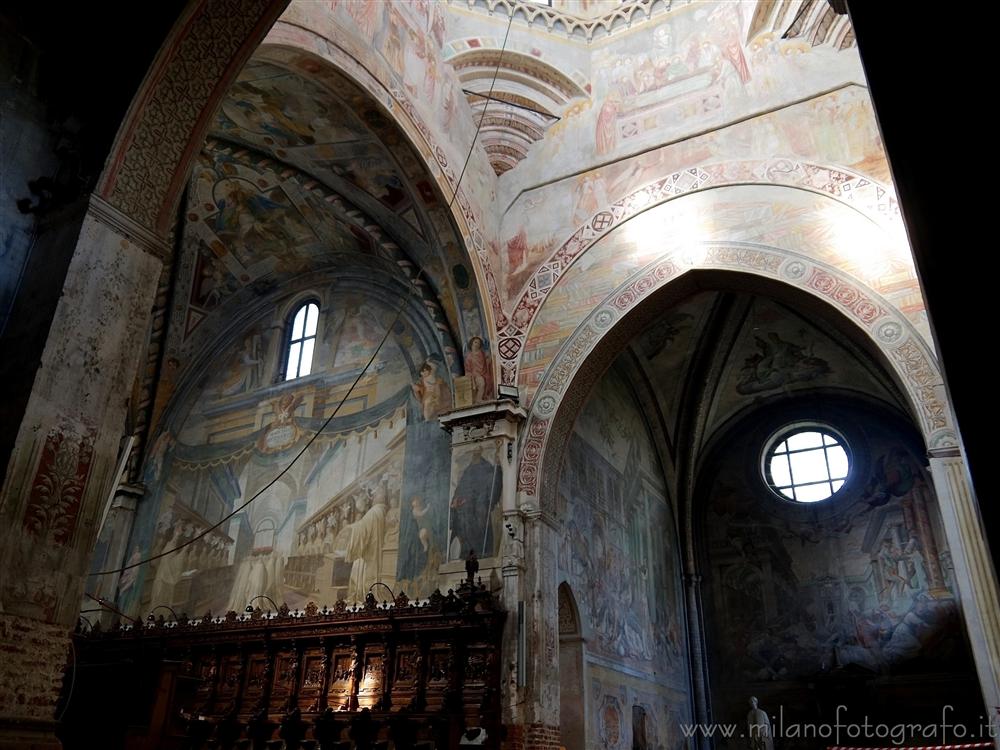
{"x": 926, "y": 120}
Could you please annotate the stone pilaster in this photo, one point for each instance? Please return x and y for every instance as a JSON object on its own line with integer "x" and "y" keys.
{"x": 59, "y": 474}
{"x": 974, "y": 572}
{"x": 539, "y": 694}
{"x": 483, "y": 449}
{"x": 491, "y": 429}
{"x": 699, "y": 662}
{"x": 117, "y": 529}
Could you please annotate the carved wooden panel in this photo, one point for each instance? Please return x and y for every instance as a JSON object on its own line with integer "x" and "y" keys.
{"x": 312, "y": 679}
{"x": 258, "y": 677}
{"x": 286, "y": 665}
{"x": 438, "y": 670}
{"x": 373, "y": 676}
{"x": 480, "y": 677}
{"x": 477, "y": 665}
{"x": 230, "y": 678}
{"x": 205, "y": 670}
{"x": 338, "y": 695}
{"x": 406, "y": 676}
{"x": 305, "y": 674}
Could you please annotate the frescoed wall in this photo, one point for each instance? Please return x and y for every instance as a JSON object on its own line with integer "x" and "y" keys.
{"x": 346, "y": 168}
{"x": 298, "y": 171}
{"x": 847, "y": 601}
{"x": 658, "y": 75}
{"x": 475, "y": 508}
{"x": 398, "y": 46}
{"x": 643, "y": 98}
{"x": 367, "y": 501}
{"x": 777, "y": 350}
{"x": 801, "y": 222}
{"x": 806, "y": 607}
{"x": 773, "y": 143}
{"x": 620, "y": 557}
{"x": 679, "y": 92}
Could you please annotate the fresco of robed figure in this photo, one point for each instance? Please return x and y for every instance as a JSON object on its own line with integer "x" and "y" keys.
{"x": 473, "y": 506}
{"x": 367, "y": 502}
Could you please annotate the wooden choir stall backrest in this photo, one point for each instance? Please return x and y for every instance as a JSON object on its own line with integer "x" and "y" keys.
{"x": 399, "y": 675}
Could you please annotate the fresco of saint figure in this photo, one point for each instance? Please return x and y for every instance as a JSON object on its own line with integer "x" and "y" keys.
{"x": 367, "y": 14}
{"x": 253, "y": 222}
{"x": 432, "y": 391}
{"x": 422, "y": 555}
{"x": 607, "y": 123}
{"x": 246, "y": 373}
{"x": 472, "y": 506}
{"x": 479, "y": 369}
{"x": 364, "y": 543}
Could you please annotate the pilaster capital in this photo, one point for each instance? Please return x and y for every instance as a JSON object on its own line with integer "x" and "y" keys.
{"x": 123, "y": 224}
{"x": 530, "y": 512}
{"x": 490, "y": 419}
{"x": 950, "y": 452}
{"x": 128, "y": 495}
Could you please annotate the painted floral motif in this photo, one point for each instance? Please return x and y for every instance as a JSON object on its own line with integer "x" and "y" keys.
{"x": 57, "y": 490}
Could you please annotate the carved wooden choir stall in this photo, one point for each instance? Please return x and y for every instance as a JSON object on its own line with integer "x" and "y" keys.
{"x": 400, "y": 675}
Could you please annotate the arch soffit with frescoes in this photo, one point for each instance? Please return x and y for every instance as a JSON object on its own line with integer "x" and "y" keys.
{"x": 323, "y": 178}
{"x": 662, "y": 285}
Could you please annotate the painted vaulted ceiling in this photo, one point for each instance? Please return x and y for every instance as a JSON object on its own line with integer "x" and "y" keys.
{"x": 298, "y": 176}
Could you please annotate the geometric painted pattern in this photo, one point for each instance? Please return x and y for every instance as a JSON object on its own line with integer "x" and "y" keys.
{"x": 146, "y": 170}
{"x": 553, "y": 409}
{"x": 622, "y": 18}
{"x": 863, "y": 194}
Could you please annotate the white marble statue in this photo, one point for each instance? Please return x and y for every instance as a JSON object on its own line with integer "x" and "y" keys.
{"x": 759, "y": 728}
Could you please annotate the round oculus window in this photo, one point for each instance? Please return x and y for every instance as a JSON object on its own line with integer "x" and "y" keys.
{"x": 806, "y": 462}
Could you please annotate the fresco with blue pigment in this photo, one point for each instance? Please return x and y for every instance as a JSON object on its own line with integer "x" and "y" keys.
{"x": 367, "y": 502}
{"x": 620, "y": 556}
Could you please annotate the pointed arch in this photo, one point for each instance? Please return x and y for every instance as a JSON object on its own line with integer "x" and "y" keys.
{"x": 569, "y": 612}
{"x": 572, "y": 672}
{"x": 874, "y": 201}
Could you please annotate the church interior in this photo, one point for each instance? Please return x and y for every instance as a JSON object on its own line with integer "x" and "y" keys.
{"x": 535, "y": 375}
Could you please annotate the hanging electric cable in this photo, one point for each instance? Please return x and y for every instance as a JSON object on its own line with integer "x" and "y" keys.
{"x": 414, "y": 282}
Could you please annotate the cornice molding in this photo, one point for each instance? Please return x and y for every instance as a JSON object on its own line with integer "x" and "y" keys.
{"x": 575, "y": 27}
{"x": 132, "y": 230}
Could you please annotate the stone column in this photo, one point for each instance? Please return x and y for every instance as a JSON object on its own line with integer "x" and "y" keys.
{"x": 974, "y": 572}
{"x": 59, "y": 474}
